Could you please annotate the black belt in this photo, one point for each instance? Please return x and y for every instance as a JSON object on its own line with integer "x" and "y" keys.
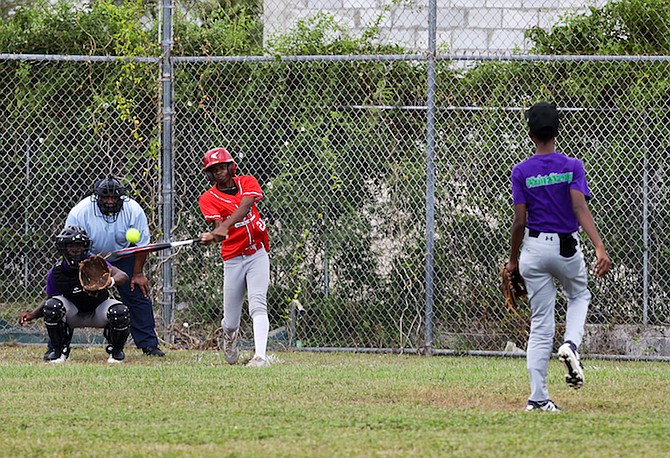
{"x": 561, "y": 235}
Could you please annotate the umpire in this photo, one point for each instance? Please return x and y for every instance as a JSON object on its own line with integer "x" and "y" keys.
{"x": 106, "y": 215}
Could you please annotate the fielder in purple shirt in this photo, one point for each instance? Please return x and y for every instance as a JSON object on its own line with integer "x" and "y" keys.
{"x": 543, "y": 183}
{"x": 549, "y": 192}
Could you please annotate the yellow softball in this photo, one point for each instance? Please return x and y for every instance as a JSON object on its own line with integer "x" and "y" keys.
{"x": 133, "y": 235}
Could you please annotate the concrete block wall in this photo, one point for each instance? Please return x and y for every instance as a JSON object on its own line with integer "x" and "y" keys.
{"x": 463, "y": 26}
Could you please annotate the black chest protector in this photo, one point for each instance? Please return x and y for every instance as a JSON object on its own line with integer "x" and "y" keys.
{"x": 67, "y": 282}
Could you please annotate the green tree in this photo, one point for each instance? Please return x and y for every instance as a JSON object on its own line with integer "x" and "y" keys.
{"x": 99, "y": 28}
{"x": 7, "y": 7}
{"x": 623, "y": 27}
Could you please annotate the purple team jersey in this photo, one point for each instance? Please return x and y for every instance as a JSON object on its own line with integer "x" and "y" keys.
{"x": 543, "y": 182}
{"x": 52, "y": 289}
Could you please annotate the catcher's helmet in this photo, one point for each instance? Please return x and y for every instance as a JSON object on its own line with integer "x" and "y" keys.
{"x": 218, "y": 156}
{"x": 109, "y": 187}
{"x": 73, "y": 235}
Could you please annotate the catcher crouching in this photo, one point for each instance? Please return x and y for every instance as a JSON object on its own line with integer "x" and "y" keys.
{"x": 78, "y": 298}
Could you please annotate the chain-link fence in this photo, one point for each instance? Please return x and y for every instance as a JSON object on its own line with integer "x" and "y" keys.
{"x": 386, "y": 179}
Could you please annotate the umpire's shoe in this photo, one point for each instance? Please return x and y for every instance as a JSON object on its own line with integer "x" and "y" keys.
{"x": 567, "y": 354}
{"x": 153, "y": 351}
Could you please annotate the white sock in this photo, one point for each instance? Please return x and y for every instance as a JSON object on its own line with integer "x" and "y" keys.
{"x": 261, "y": 330}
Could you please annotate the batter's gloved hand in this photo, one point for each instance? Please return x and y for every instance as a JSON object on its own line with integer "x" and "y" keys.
{"x": 513, "y": 287}
{"x": 95, "y": 274}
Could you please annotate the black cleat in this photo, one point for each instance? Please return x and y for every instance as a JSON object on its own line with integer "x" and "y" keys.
{"x": 153, "y": 351}
{"x": 57, "y": 357}
{"x": 115, "y": 355}
{"x": 50, "y": 355}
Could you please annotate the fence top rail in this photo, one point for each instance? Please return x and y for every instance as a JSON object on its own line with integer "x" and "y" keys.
{"x": 310, "y": 58}
{"x": 77, "y": 58}
{"x": 554, "y": 58}
{"x": 341, "y": 58}
{"x": 502, "y": 108}
{"x": 423, "y": 57}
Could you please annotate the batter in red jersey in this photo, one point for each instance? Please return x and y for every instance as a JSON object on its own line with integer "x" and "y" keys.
{"x": 230, "y": 205}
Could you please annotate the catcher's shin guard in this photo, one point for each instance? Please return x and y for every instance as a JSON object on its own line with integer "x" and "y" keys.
{"x": 118, "y": 329}
{"x": 59, "y": 332}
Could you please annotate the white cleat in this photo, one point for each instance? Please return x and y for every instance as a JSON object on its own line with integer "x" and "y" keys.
{"x": 574, "y": 376}
{"x": 257, "y": 361}
{"x": 62, "y": 357}
{"x": 544, "y": 406}
{"x": 60, "y": 360}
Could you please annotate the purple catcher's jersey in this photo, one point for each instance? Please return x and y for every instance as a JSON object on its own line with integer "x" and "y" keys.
{"x": 543, "y": 182}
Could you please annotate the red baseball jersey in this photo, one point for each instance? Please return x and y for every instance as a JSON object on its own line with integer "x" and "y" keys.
{"x": 243, "y": 235}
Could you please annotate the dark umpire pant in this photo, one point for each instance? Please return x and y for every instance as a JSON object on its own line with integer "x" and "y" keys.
{"x": 142, "y": 323}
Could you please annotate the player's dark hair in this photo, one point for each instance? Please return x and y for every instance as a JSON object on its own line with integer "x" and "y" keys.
{"x": 543, "y": 120}
{"x": 544, "y": 134}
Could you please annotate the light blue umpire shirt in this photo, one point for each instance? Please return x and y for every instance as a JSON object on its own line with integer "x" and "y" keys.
{"x": 108, "y": 234}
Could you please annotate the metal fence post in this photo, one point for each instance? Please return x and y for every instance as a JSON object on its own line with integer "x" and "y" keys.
{"x": 430, "y": 176}
{"x": 645, "y": 222}
{"x": 167, "y": 173}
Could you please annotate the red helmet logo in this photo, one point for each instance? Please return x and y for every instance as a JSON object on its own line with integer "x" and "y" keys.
{"x": 218, "y": 156}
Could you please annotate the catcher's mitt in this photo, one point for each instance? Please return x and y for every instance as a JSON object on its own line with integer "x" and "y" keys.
{"x": 513, "y": 288}
{"x": 94, "y": 274}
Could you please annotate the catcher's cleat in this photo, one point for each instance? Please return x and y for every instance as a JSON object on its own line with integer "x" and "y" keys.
{"x": 574, "y": 376}
{"x": 50, "y": 355}
{"x": 257, "y": 361}
{"x": 60, "y": 360}
{"x": 230, "y": 346}
{"x": 58, "y": 357}
{"x": 116, "y": 356}
{"x": 544, "y": 406}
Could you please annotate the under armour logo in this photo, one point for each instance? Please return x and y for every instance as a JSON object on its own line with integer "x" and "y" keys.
{"x": 549, "y": 237}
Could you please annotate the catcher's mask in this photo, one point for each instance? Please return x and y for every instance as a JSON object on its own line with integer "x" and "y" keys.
{"x": 218, "y": 156}
{"x": 108, "y": 193}
{"x": 73, "y": 244}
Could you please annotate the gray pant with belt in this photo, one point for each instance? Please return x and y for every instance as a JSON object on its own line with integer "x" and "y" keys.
{"x": 540, "y": 264}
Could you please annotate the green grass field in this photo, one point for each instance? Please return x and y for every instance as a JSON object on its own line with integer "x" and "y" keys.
{"x": 191, "y": 403}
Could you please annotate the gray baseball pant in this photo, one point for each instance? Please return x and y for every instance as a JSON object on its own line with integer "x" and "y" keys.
{"x": 540, "y": 264}
{"x": 94, "y": 319}
{"x": 244, "y": 274}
